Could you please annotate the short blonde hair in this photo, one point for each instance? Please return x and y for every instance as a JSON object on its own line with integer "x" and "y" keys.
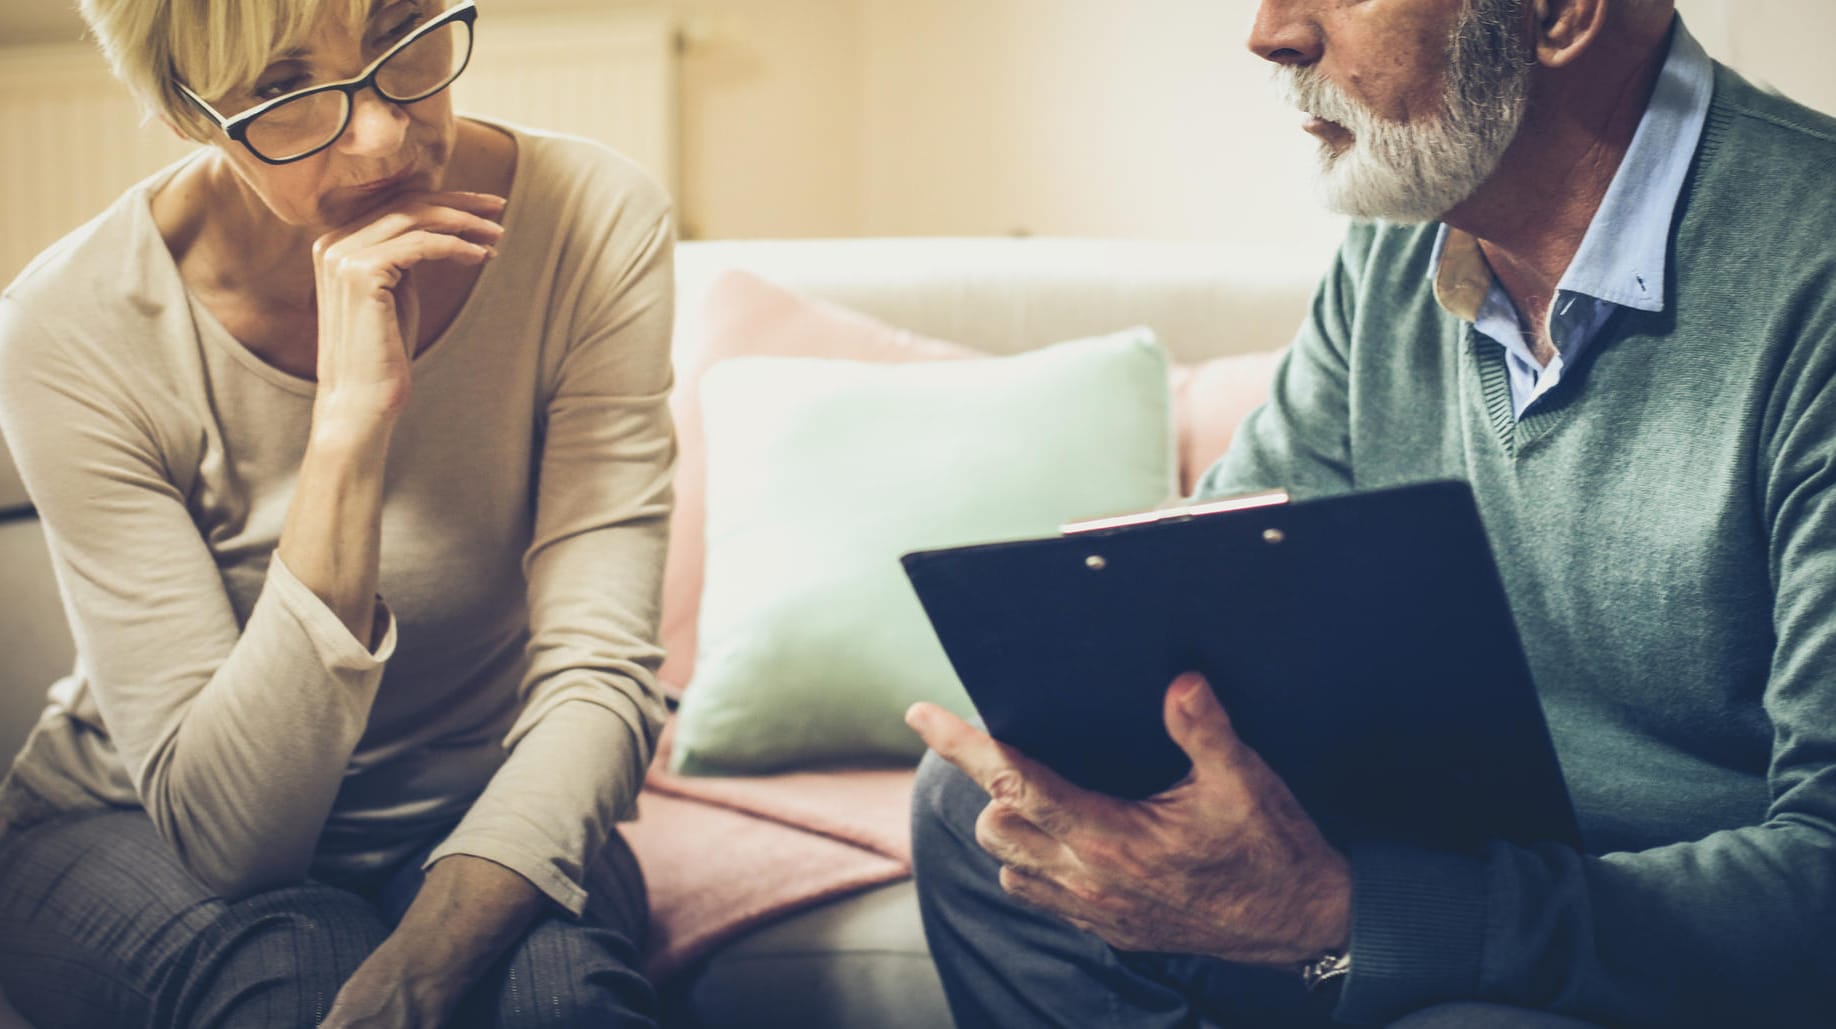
{"x": 213, "y": 46}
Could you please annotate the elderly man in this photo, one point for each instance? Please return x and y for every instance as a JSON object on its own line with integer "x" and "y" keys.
{"x": 1593, "y": 276}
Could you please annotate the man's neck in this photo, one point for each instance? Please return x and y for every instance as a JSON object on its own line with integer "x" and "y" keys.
{"x": 1532, "y": 214}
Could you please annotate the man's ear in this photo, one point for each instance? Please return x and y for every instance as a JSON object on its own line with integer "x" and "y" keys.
{"x": 1564, "y": 29}
{"x": 172, "y": 126}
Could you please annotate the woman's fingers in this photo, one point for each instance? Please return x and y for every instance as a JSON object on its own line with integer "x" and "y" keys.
{"x": 477, "y": 221}
{"x": 379, "y": 270}
{"x": 485, "y": 205}
{"x": 371, "y": 259}
{"x": 488, "y": 204}
{"x": 436, "y": 219}
{"x": 411, "y": 248}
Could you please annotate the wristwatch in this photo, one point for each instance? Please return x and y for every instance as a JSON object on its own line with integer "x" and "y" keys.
{"x": 1334, "y": 964}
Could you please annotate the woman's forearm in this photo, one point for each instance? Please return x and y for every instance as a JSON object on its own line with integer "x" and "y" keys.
{"x": 467, "y": 914}
{"x": 332, "y": 537}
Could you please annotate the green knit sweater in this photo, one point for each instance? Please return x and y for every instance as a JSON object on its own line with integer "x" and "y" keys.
{"x": 1665, "y": 522}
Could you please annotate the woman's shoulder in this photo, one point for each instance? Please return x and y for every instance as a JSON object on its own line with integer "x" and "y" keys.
{"x": 558, "y": 171}
{"x": 90, "y": 318}
{"x": 113, "y": 268}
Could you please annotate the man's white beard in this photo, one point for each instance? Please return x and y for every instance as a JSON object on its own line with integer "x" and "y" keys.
{"x": 1418, "y": 171}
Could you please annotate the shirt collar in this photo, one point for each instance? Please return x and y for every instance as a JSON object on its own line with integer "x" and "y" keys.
{"x": 1624, "y": 255}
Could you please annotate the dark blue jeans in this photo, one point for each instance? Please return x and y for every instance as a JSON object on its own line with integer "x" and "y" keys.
{"x": 1007, "y": 966}
{"x": 100, "y": 925}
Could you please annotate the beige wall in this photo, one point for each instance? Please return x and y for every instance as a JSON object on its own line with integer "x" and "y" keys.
{"x": 1149, "y": 118}
{"x": 1782, "y": 43}
{"x": 1084, "y": 117}
{"x": 772, "y": 115}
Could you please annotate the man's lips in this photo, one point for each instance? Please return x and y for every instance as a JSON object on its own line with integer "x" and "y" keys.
{"x": 1328, "y": 131}
{"x": 1319, "y": 126}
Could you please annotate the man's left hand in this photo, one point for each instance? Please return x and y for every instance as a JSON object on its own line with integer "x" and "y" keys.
{"x": 1224, "y": 863}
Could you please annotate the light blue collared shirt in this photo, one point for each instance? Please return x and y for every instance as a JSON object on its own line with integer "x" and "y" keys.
{"x": 1624, "y": 255}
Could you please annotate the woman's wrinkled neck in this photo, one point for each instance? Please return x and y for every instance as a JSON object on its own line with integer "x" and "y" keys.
{"x": 224, "y": 238}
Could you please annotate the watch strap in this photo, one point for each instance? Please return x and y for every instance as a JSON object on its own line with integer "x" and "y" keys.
{"x": 1334, "y": 964}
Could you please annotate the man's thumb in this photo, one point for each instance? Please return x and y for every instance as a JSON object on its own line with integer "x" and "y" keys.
{"x": 1198, "y": 723}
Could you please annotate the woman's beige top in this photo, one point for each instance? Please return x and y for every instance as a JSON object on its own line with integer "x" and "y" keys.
{"x": 524, "y": 526}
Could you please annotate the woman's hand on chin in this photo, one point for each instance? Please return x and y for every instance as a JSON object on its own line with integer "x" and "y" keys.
{"x": 369, "y": 313}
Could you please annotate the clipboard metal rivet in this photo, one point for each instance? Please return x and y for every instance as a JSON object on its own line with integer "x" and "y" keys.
{"x": 1095, "y": 563}
{"x": 1273, "y": 536}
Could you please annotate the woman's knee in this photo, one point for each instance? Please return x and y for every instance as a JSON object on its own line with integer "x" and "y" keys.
{"x": 566, "y": 972}
{"x": 278, "y": 957}
{"x": 97, "y": 915}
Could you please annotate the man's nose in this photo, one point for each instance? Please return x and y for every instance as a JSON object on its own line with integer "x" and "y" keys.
{"x": 1287, "y": 32}
{"x": 377, "y": 126}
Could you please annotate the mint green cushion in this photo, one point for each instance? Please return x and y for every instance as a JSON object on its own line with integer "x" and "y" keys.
{"x": 822, "y": 472}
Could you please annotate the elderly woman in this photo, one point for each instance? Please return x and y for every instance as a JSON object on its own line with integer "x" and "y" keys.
{"x": 350, "y": 438}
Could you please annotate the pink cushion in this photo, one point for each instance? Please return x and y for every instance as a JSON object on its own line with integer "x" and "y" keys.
{"x": 1209, "y": 400}
{"x": 805, "y": 837}
{"x": 688, "y": 850}
{"x": 746, "y": 315}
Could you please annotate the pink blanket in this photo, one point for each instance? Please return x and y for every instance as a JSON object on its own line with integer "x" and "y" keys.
{"x": 723, "y": 855}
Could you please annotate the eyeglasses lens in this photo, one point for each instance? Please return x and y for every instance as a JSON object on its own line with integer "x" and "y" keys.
{"x": 427, "y": 65}
{"x": 415, "y": 72}
{"x": 299, "y": 125}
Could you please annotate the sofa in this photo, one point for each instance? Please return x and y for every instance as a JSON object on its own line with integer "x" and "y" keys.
{"x": 821, "y": 928}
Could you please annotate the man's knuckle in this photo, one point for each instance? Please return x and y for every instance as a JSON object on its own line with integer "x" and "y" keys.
{"x": 1014, "y": 883}
{"x": 1007, "y": 786}
{"x": 987, "y": 833}
{"x": 1090, "y": 893}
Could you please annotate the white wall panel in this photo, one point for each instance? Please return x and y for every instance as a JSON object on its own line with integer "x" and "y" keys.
{"x": 71, "y": 140}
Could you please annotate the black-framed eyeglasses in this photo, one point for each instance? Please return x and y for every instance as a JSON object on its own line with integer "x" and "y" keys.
{"x": 295, "y": 126}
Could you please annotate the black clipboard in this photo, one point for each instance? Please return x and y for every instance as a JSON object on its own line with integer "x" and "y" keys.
{"x": 1362, "y": 644}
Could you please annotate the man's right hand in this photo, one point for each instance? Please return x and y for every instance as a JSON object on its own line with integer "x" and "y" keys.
{"x": 1224, "y": 863}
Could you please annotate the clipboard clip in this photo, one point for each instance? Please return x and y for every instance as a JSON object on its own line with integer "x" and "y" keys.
{"x": 1178, "y": 513}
